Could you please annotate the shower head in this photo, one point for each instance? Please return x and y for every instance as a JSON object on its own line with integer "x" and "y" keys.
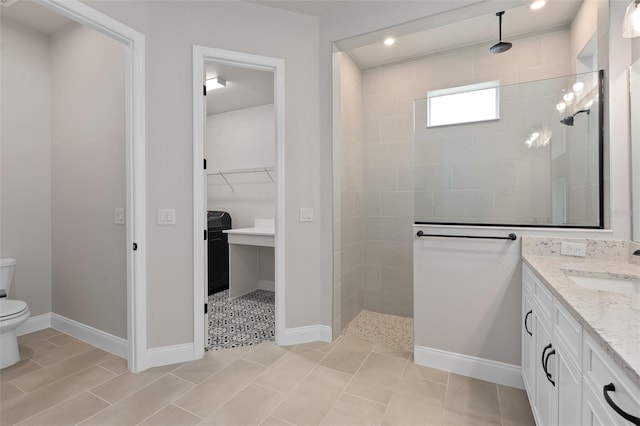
{"x": 500, "y": 46}
{"x": 568, "y": 120}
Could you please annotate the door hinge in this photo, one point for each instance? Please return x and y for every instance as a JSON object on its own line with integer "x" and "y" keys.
{"x": 205, "y": 235}
{"x": 135, "y": 246}
{"x": 205, "y": 163}
{"x": 204, "y": 89}
{"x": 206, "y": 308}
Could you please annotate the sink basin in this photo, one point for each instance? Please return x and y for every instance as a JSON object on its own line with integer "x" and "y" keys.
{"x": 626, "y": 285}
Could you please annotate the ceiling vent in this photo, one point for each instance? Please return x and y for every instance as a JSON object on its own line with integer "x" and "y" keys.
{"x": 8, "y": 3}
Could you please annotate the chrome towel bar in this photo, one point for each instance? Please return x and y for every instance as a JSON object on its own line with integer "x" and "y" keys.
{"x": 511, "y": 236}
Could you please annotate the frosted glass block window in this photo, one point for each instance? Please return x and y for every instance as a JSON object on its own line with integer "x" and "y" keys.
{"x": 463, "y": 104}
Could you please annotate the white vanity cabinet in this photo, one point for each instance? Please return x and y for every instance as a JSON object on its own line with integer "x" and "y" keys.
{"x": 564, "y": 371}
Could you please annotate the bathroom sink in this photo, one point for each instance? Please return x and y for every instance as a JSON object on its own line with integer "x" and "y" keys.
{"x": 624, "y": 285}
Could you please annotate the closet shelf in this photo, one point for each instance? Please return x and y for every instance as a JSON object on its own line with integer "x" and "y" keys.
{"x": 222, "y": 173}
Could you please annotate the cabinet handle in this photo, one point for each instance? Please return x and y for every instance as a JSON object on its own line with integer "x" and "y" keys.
{"x": 611, "y": 388}
{"x": 525, "y": 322}
{"x": 544, "y": 366}
{"x": 546, "y": 362}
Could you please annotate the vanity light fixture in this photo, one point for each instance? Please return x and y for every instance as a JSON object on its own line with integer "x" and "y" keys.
{"x": 631, "y": 22}
{"x": 389, "y": 41}
{"x": 537, "y": 4}
{"x": 215, "y": 83}
{"x": 578, "y": 86}
{"x": 561, "y": 106}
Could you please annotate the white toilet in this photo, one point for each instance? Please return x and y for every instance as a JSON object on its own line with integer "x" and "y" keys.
{"x": 13, "y": 313}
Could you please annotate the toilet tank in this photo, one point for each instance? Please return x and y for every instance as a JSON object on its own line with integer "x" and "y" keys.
{"x": 6, "y": 273}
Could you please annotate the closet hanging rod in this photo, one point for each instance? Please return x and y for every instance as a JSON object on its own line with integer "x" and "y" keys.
{"x": 239, "y": 171}
{"x": 511, "y": 236}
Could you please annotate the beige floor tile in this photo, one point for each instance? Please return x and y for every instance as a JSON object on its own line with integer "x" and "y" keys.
{"x": 20, "y": 368}
{"x": 141, "y": 404}
{"x": 172, "y": 416}
{"x": 413, "y": 385}
{"x": 354, "y": 411}
{"x": 33, "y": 403}
{"x": 312, "y": 399}
{"x": 472, "y": 396}
{"x": 381, "y": 348}
{"x": 62, "y": 353}
{"x": 285, "y": 374}
{"x": 377, "y": 377}
{"x": 408, "y": 411}
{"x": 322, "y": 346}
{"x": 348, "y": 355}
{"x": 457, "y": 418}
{"x": 127, "y": 383}
{"x": 274, "y": 421}
{"x": 514, "y": 406}
{"x": 419, "y": 372}
{"x": 61, "y": 339}
{"x": 209, "y": 395}
{"x": 265, "y": 354}
{"x": 29, "y": 350}
{"x": 8, "y": 392}
{"x": 37, "y": 335}
{"x": 115, "y": 364}
{"x": 249, "y": 407}
{"x": 212, "y": 362}
{"x": 44, "y": 376}
{"x": 69, "y": 412}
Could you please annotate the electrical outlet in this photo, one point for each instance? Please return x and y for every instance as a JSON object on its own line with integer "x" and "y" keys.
{"x": 573, "y": 249}
{"x": 119, "y": 216}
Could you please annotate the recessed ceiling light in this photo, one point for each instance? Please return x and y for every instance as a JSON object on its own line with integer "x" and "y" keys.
{"x": 389, "y": 41}
{"x": 215, "y": 83}
{"x": 578, "y": 86}
{"x": 537, "y": 4}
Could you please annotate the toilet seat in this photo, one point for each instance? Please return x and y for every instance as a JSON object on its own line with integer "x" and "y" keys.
{"x": 11, "y": 308}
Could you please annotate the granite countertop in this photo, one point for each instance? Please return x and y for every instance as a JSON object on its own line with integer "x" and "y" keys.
{"x": 612, "y": 319}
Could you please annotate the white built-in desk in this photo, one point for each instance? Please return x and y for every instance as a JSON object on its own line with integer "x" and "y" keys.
{"x": 244, "y": 257}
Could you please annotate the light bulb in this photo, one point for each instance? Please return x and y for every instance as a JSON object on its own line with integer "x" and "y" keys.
{"x": 561, "y": 106}
{"x": 631, "y": 22}
{"x": 578, "y": 86}
{"x": 568, "y": 97}
{"x": 389, "y": 41}
{"x": 537, "y": 4}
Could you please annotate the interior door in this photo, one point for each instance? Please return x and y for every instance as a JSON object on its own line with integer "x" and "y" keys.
{"x": 205, "y": 186}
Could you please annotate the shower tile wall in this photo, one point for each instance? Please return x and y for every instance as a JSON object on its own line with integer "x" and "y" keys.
{"x": 388, "y": 161}
{"x": 348, "y": 293}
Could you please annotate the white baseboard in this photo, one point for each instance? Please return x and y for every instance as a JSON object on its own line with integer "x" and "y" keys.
{"x": 166, "y": 355}
{"x": 105, "y": 341}
{"x": 479, "y": 368}
{"x": 266, "y": 285}
{"x": 33, "y": 324}
{"x": 311, "y": 333}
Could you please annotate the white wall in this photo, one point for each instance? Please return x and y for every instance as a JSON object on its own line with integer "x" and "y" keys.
{"x": 171, "y": 28}
{"x": 25, "y": 162}
{"x": 88, "y": 179}
{"x": 242, "y": 139}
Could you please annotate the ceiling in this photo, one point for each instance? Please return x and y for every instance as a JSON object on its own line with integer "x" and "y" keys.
{"x": 245, "y": 88}
{"x": 516, "y": 22}
{"x": 310, "y": 7}
{"x": 36, "y": 17}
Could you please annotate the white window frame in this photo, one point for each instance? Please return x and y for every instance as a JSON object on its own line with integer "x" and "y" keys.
{"x": 431, "y": 94}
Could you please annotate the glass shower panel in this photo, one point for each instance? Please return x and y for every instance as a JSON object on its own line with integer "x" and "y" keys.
{"x": 538, "y": 164}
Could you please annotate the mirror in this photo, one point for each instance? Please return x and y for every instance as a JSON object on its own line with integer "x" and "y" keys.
{"x": 634, "y": 116}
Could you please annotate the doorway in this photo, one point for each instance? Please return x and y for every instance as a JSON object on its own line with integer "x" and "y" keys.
{"x": 134, "y": 349}
{"x": 258, "y": 170}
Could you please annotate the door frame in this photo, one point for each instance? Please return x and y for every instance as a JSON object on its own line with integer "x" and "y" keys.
{"x": 201, "y": 55}
{"x": 135, "y": 158}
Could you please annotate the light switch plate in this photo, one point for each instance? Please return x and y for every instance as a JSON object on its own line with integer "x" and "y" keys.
{"x": 166, "y": 216}
{"x": 306, "y": 214}
{"x": 119, "y": 216}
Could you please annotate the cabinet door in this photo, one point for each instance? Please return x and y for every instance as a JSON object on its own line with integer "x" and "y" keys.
{"x": 568, "y": 387}
{"x": 593, "y": 413}
{"x": 545, "y": 392}
{"x": 528, "y": 343}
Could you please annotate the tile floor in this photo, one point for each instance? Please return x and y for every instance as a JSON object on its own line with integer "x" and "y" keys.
{"x": 63, "y": 381}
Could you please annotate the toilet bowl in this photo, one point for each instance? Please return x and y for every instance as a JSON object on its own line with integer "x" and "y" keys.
{"x": 13, "y": 313}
